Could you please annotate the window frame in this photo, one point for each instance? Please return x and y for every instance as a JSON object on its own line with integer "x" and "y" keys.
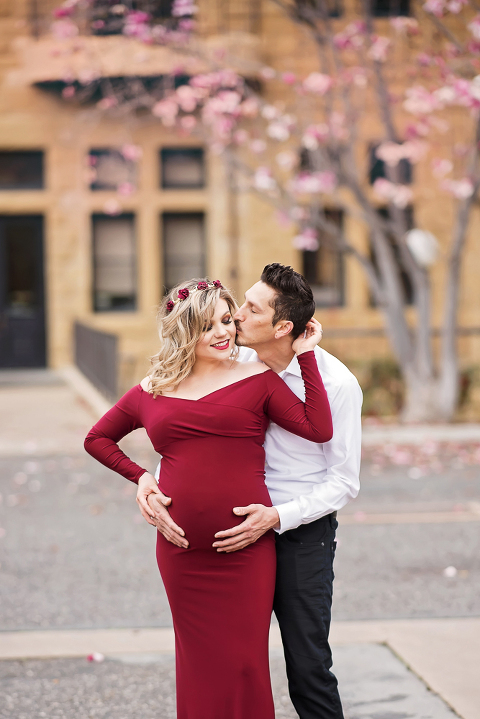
{"x": 199, "y": 151}
{"x": 99, "y": 310}
{"x": 39, "y": 185}
{"x": 175, "y": 213}
{"x": 341, "y": 280}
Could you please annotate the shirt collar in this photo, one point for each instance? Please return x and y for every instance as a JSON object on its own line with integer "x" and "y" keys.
{"x": 293, "y": 368}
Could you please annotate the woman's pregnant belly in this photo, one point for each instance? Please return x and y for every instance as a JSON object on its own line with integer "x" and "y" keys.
{"x": 206, "y": 478}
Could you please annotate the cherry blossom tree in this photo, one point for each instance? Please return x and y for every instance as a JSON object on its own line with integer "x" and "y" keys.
{"x": 306, "y": 155}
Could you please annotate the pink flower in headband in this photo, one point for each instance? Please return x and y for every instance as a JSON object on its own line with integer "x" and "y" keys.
{"x": 170, "y": 305}
{"x": 202, "y": 286}
{"x": 217, "y": 284}
{"x": 183, "y": 293}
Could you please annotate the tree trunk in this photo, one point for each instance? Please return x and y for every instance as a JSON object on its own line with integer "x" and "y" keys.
{"x": 428, "y": 399}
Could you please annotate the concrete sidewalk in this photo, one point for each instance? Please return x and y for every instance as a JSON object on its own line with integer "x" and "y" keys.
{"x": 444, "y": 653}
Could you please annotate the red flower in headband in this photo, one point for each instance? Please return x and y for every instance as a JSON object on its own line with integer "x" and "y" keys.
{"x": 217, "y": 284}
{"x": 202, "y": 286}
{"x": 170, "y": 305}
{"x": 183, "y": 293}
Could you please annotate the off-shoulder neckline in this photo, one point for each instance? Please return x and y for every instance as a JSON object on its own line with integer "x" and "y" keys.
{"x": 215, "y": 391}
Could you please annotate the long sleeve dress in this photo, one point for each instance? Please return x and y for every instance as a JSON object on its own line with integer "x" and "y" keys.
{"x": 212, "y": 461}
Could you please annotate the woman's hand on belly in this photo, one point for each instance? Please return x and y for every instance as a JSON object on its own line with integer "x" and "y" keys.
{"x": 259, "y": 520}
{"x": 162, "y": 520}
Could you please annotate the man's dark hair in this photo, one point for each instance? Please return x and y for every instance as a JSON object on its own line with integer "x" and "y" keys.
{"x": 293, "y": 296}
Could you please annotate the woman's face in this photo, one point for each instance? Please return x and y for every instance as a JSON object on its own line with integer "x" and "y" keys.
{"x": 219, "y": 338}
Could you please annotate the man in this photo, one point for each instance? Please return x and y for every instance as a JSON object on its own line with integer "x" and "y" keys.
{"x": 307, "y": 483}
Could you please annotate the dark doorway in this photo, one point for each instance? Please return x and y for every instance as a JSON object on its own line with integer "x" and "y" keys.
{"x": 22, "y": 303}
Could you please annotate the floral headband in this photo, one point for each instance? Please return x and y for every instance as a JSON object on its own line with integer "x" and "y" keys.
{"x": 185, "y": 292}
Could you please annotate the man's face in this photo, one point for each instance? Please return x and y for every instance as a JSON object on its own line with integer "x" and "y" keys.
{"x": 254, "y": 318}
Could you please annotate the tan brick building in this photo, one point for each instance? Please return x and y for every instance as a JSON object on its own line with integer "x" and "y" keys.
{"x": 65, "y": 257}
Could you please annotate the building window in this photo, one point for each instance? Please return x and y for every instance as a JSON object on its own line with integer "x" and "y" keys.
{"x": 107, "y": 17}
{"x": 114, "y": 263}
{"x": 408, "y": 295}
{"x": 377, "y": 168}
{"x": 324, "y": 268}
{"x": 21, "y": 170}
{"x": 182, "y": 168}
{"x": 110, "y": 170}
{"x": 390, "y": 8}
{"x": 183, "y": 247}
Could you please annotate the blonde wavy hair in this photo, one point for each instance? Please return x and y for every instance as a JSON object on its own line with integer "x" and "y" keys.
{"x": 180, "y": 329}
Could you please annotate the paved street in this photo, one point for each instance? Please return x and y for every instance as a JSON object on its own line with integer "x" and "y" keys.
{"x": 75, "y": 553}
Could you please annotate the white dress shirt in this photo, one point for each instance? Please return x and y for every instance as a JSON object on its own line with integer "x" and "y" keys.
{"x": 306, "y": 480}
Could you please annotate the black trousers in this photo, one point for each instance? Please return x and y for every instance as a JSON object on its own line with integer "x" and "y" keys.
{"x": 303, "y": 601}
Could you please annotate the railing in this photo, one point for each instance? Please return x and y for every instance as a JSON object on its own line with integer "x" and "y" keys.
{"x": 96, "y": 356}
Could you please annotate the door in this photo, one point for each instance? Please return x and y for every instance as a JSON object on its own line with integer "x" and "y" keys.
{"x": 22, "y": 304}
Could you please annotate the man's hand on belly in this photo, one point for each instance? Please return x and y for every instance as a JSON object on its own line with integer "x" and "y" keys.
{"x": 259, "y": 519}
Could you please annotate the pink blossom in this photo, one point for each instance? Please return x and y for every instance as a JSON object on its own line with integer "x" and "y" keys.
{"x": 299, "y": 213}
{"x": 98, "y": 24}
{"x": 435, "y": 7}
{"x": 183, "y": 7}
{"x": 392, "y": 152}
{"x": 126, "y": 189}
{"x": 424, "y": 59}
{"x": 95, "y": 657}
{"x": 241, "y": 137}
{"x": 314, "y": 183}
{"x": 289, "y": 78}
{"x": 188, "y": 122}
{"x": 166, "y": 110}
{"x": 186, "y": 98}
{"x": 287, "y": 159}
{"x": 222, "y": 127}
{"x": 267, "y": 73}
{"x": 474, "y": 27}
{"x": 278, "y": 131}
{"x": 314, "y": 135}
{"x": 187, "y": 25}
{"x": 352, "y": 36}
{"x": 63, "y": 11}
{"x": 461, "y": 189}
{"x": 263, "y": 179}
{"x": 269, "y": 112}
{"x": 359, "y": 76}
{"x": 64, "y": 29}
{"x": 131, "y": 152}
{"x": 420, "y": 101}
{"x": 306, "y": 240}
{"x": 68, "y": 92}
{"x": 455, "y": 6}
{"x": 404, "y": 25}
{"x": 106, "y": 103}
{"x": 378, "y": 49}
{"x": 112, "y": 207}
{"x": 317, "y": 83}
{"x": 249, "y": 107}
{"x": 258, "y": 146}
{"x": 399, "y": 195}
{"x": 224, "y": 102}
{"x": 441, "y": 167}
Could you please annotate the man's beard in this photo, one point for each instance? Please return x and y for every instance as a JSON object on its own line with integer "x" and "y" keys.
{"x": 240, "y": 341}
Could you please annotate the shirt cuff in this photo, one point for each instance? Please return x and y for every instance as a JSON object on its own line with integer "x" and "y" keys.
{"x": 290, "y": 516}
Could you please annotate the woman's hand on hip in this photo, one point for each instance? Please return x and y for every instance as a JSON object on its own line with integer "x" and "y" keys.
{"x": 310, "y": 338}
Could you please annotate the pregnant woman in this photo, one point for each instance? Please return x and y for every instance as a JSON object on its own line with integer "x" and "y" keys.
{"x": 206, "y": 414}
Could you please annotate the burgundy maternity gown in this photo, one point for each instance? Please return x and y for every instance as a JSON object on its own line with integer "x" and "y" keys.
{"x": 213, "y": 460}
